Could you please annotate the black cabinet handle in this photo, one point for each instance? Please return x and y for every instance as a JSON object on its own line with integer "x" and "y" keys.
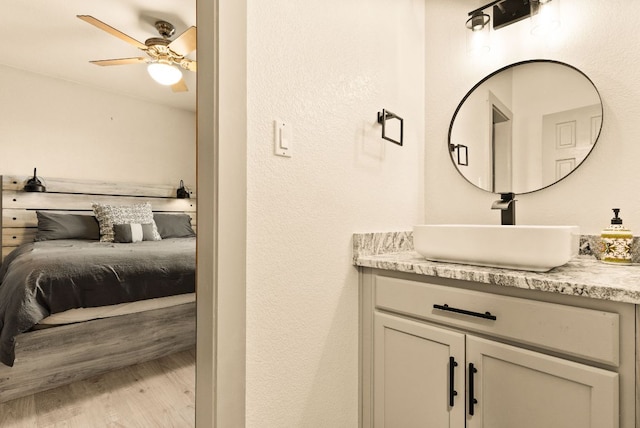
{"x": 472, "y": 399}
{"x": 487, "y": 315}
{"x": 452, "y": 391}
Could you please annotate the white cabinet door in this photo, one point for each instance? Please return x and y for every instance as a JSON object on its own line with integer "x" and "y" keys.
{"x": 417, "y": 368}
{"x": 514, "y": 387}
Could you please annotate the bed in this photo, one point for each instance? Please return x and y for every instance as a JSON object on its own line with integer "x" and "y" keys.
{"x": 101, "y": 315}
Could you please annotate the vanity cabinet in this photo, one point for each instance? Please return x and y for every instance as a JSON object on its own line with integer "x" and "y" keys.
{"x": 420, "y": 372}
{"x": 450, "y": 353}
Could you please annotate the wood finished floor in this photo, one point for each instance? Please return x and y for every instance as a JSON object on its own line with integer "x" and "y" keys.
{"x": 159, "y": 393}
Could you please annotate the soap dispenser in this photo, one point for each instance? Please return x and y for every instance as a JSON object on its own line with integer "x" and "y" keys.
{"x": 616, "y": 242}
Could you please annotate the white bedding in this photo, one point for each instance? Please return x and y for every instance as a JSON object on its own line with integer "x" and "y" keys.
{"x": 86, "y": 314}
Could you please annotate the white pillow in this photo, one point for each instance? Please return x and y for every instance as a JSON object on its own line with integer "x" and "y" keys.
{"x": 108, "y": 215}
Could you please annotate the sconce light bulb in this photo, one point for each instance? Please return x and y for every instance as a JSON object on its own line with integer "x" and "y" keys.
{"x": 478, "y": 39}
{"x": 547, "y": 18}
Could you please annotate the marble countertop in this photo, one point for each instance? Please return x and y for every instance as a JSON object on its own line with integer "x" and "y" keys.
{"x": 583, "y": 276}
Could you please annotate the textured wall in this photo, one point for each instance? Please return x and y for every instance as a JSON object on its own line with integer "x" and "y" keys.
{"x": 326, "y": 68}
{"x": 69, "y": 130}
{"x": 597, "y": 37}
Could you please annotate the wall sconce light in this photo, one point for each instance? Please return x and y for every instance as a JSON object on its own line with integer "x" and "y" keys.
{"x": 506, "y": 12}
{"x": 34, "y": 184}
{"x": 544, "y": 15}
{"x": 478, "y": 20}
{"x": 182, "y": 192}
{"x": 478, "y": 40}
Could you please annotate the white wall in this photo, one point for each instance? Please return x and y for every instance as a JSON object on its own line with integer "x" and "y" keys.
{"x": 598, "y": 38}
{"x": 326, "y": 68}
{"x": 68, "y": 130}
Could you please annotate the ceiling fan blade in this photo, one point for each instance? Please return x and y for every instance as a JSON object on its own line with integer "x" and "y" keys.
{"x": 120, "y": 61}
{"x": 109, "y": 29}
{"x": 188, "y": 64}
{"x": 180, "y": 86}
{"x": 185, "y": 42}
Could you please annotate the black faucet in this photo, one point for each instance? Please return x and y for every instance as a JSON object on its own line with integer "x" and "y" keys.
{"x": 507, "y": 206}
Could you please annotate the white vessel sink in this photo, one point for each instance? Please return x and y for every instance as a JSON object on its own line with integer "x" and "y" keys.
{"x": 533, "y": 248}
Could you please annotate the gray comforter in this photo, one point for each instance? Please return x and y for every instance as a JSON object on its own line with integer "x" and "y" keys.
{"x": 43, "y": 278}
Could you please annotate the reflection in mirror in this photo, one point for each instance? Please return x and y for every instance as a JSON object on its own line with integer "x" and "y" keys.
{"x": 526, "y": 126}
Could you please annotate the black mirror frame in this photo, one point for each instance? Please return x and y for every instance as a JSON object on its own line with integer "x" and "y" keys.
{"x": 468, "y": 94}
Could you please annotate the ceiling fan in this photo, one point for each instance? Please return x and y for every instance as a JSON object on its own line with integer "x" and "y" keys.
{"x": 165, "y": 57}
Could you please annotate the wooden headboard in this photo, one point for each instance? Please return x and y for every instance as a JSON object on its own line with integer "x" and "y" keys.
{"x": 19, "y": 222}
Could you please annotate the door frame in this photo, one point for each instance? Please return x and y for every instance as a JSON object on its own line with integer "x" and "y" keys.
{"x": 498, "y": 108}
{"x": 222, "y": 199}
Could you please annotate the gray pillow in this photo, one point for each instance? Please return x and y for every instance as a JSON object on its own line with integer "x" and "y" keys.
{"x": 174, "y": 225}
{"x": 53, "y": 226}
{"x": 133, "y": 232}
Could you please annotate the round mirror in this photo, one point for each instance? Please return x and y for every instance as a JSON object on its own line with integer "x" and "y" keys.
{"x": 525, "y": 126}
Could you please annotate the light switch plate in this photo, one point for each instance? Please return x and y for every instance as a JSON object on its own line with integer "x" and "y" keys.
{"x": 282, "y": 140}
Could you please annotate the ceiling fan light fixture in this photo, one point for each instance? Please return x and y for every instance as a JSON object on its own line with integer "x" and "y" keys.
{"x": 164, "y": 74}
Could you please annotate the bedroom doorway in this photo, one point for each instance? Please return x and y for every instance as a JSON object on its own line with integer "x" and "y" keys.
{"x": 74, "y": 138}
{"x": 97, "y": 130}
